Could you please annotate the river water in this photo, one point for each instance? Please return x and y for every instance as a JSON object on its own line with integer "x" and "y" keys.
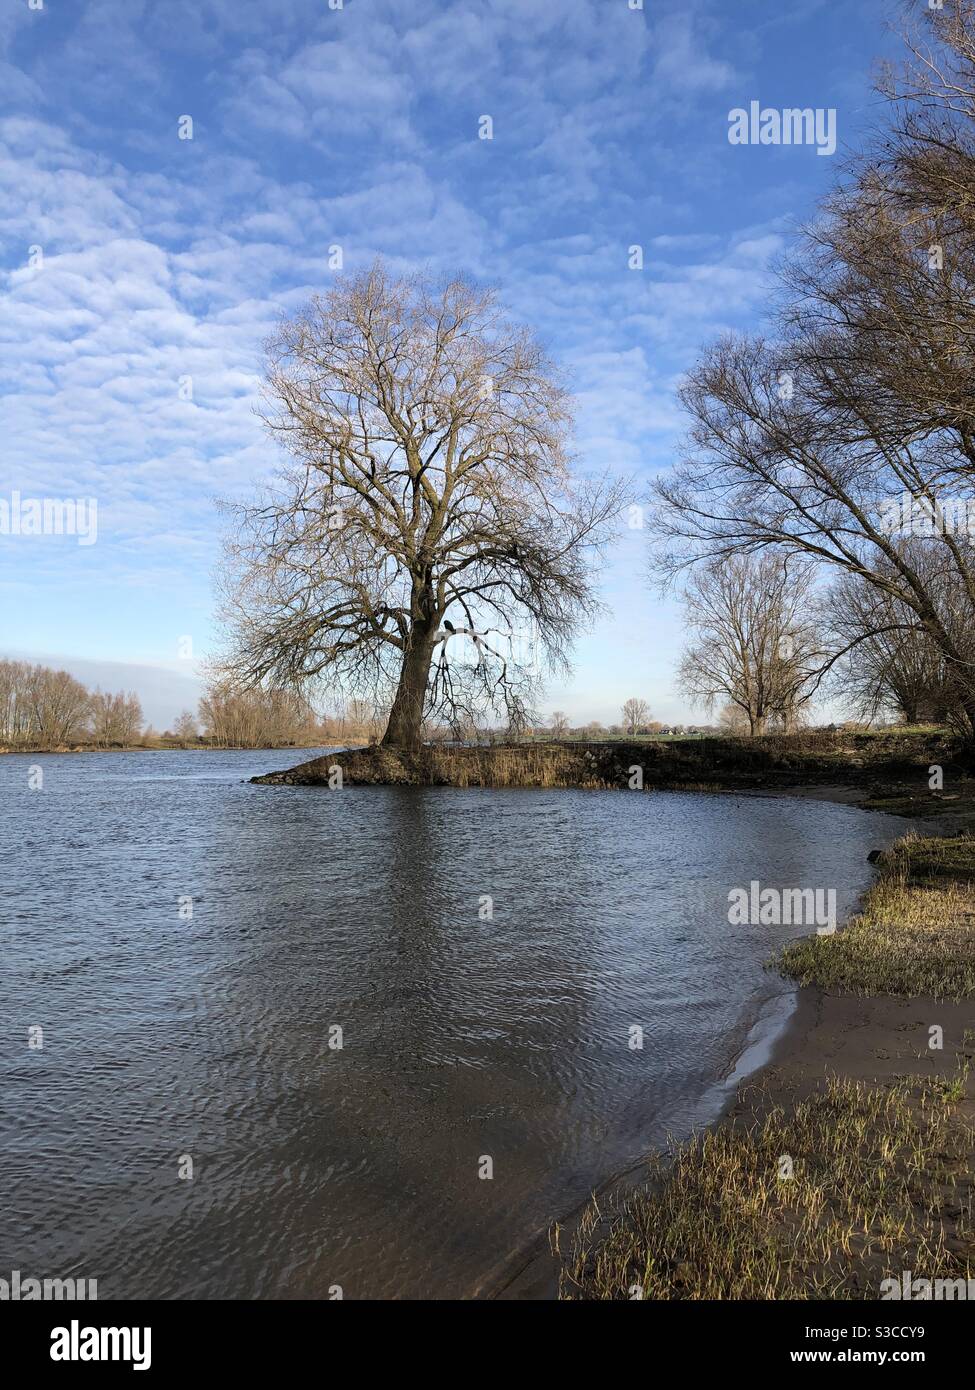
{"x": 190, "y": 946}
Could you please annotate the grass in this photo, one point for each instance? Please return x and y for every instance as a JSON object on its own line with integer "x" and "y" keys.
{"x": 544, "y": 765}
{"x": 878, "y": 1178}
{"x": 777, "y": 760}
{"x": 879, "y": 1183}
{"x": 914, "y": 934}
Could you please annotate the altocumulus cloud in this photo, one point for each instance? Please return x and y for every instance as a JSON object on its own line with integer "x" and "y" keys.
{"x": 130, "y": 350}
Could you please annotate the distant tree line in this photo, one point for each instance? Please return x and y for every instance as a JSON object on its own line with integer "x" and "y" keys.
{"x": 44, "y": 708}
{"x": 635, "y": 719}
{"x": 255, "y": 718}
{"x": 234, "y": 716}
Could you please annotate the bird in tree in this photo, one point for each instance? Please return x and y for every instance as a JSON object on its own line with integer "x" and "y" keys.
{"x": 427, "y": 444}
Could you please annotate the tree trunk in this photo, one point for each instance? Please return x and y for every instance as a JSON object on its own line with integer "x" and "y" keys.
{"x": 406, "y": 714}
{"x": 968, "y": 707}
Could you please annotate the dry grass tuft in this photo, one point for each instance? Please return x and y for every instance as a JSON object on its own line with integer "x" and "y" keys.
{"x": 880, "y": 1183}
{"x": 914, "y": 934}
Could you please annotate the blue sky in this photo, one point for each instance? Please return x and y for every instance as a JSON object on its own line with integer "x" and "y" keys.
{"x": 165, "y": 259}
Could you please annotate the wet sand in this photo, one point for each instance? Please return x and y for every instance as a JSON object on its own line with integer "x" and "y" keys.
{"x": 875, "y": 1040}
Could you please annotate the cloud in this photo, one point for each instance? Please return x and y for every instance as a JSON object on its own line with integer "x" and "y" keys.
{"x": 131, "y": 351}
{"x": 164, "y": 694}
{"x": 683, "y": 64}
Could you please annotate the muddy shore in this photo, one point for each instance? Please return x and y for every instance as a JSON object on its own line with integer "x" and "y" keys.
{"x": 876, "y": 1041}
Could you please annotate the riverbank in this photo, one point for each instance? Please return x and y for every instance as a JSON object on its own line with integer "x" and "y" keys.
{"x": 882, "y": 771}
{"x": 847, "y": 1160}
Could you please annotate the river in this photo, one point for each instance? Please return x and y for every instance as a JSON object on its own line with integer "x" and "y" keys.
{"x": 191, "y": 1123}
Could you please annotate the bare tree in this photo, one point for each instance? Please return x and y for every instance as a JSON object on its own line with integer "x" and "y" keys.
{"x": 818, "y": 444}
{"x": 366, "y": 719}
{"x": 235, "y": 717}
{"x": 559, "y": 724}
{"x": 430, "y": 476}
{"x": 635, "y": 713}
{"x": 734, "y": 720}
{"x": 752, "y": 646}
{"x": 115, "y": 718}
{"x": 58, "y": 704}
{"x": 890, "y": 665}
{"x": 41, "y": 708}
{"x": 15, "y": 713}
{"x": 186, "y": 728}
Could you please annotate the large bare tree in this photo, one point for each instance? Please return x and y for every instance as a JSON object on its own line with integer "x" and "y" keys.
{"x": 859, "y": 411}
{"x": 427, "y": 546}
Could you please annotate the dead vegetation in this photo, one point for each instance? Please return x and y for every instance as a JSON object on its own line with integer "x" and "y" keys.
{"x": 766, "y": 763}
{"x": 821, "y": 1201}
